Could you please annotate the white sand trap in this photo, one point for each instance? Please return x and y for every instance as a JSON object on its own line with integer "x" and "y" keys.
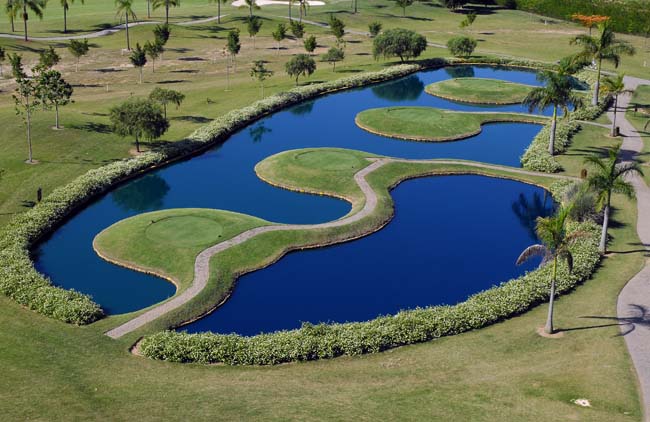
{"x": 241, "y": 3}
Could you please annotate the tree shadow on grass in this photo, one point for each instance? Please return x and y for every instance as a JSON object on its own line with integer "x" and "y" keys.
{"x": 640, "y": 318}
{"x": 93, "y": 127}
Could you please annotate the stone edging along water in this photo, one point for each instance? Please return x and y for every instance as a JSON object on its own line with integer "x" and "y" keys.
{"x": 19, "y": 279}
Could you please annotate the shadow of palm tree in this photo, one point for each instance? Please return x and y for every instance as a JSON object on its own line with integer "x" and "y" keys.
{"x": 640, "y": 318}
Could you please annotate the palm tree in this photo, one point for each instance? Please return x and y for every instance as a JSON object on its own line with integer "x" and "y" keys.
{"x": 125, "y": 9}
{"x": 557, "y": 92}
{"x": 252, "y": 5}
{"x": 290, "y": 4}
{"x": 36, "y": 6}
{"x": 615, "y": 86}
{"x": 606, "y": 47}
{"x": 555, "y": 246}
{"x": 66, "y": 5}
{"x": 608, "y": 178}
{"x": 11, "y": 10}
{"x": 218, "y": 8}
{"x": 167, "y": 4}
{"x": 303, "y": 5}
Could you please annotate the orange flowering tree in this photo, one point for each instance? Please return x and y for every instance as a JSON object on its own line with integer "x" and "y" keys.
{"x": 589, "y": 21}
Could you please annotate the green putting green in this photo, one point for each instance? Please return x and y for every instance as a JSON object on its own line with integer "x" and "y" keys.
{"x": 184, "y": 230}
{"x": 330, "y": 160}
{"x": 479, "y": 91}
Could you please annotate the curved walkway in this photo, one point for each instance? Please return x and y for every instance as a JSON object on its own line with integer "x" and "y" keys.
{"x": 202, "y": 262}
{"x": 108, "y": 31}
{"x": 633, "y": 306}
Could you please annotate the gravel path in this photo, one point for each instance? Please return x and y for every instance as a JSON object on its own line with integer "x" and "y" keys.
{"x": 634, "y": 300}
{"x": 202, "y": 263}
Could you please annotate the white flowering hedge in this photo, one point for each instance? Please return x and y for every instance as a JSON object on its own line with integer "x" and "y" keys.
{"x": 324, "y": 341}
{"x": 19, "y": 279}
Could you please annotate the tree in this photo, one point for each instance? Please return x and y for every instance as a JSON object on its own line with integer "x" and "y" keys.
{"x": 461, "y": 46}
{"x": 12, "y": 8}
{"x": 300, "y": 65}
{"x": 77, "y": 49}
{"x": 25, "y": 99}
{"x": 403, "y": 4}
{"x": 233, "y": 45}
{"x": 290, "y": 4}
{"x": 253, "y": 24}
{"x": 162, "y": 33}
{"x": 615, "y": 86}
{"x": 589, "y": 21}
{"x": 333, "y": 55}
{"x": 337, "y": 27}
{"x": 402, "y": 43}
{"x": 556, "y": 243}
{"x": 153, "y": 50}
{"x": 48, "y": 58}
{"x": 374, "y": 28}
{"x": 164, "y": 97}
{"x": 2, "y": 59}
{"x": 469, "y": 20}
{"x": 260, "y": 73}
{"x": 156, "y": 4}
{"x": 279, "y": 34}
{"x": 54, "y": 91}
{"x": 138, "y": 58}
{"x": 16, "y": 62}
{"x": 310, "y": 44}
{"x": 355, "y": 9}
{"x": 303, "y": 5}
{"x": 297, "y": 29}
{"x": 557, "y": 92}
{"x": 66, "y": 6}
{"x": 125, "y": 10}
{"x": 218, "y": 8}
{"x": 605, "y": 47}
{"x": 36, "y": 6}
{"x": 609, "y": 177}
{"x": 139, "y": 118}
{"x": 252, "y": 5}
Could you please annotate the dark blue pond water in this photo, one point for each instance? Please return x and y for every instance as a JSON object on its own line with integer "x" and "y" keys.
{"x": 448, "y": 240}
{"x": 223, "y": 178}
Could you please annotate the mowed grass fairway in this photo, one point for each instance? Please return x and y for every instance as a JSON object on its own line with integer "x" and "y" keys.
{"x": 432, "y": 124}
{"x": 479, "y": 91}
{"x": 640, "y": 118}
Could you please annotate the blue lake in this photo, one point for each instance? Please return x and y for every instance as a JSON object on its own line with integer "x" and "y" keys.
{"x": 223, "y": 178}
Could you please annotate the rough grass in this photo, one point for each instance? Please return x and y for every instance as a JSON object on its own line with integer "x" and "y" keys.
{"x": 433, "y": 124}
{"x": 479, "y": 91}
{"x": 639, "y": 119}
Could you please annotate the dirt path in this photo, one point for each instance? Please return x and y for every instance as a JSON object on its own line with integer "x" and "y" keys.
{"x": 633, "y": 305}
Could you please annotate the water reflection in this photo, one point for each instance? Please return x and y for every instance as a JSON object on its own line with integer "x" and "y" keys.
{"x": 460, "y": 71}
{"x": 302, "y": 109}
{"x": 258, "y": 132}
{"x": 528, "y": 210}
{"x": 405, "y": 89}
{"x": 144, "y": 194}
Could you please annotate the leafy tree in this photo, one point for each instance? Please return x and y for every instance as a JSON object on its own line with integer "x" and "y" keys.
{"x": 403, "y": 4}
{"x": 454, "y": 4}
{"x": 25, "y": 99}
{"x": 310, "y": 44}
{"x": 260, "y": 73}
{"x": 253, "y": 24}
{"x": 557, "y": 92}
{"x": 36, "y": 6}
{"x": 461, "y": 46}
{"x": 402, "y": 43}
{"x": 615, "y": 86}
{"x": 138, "y": 58}
{"x": 337, "y": 27}
{"x": 374, "y": 28}
{"x": 162, "y": 33}
{"x": 153, "y": 50}
{"x": 279, "y": 34}
{"x": 164, "y": 97}
{"x": 16, "y": 62}
{"x": 12, "y": 9}
{"x": 300, "y": 65}
{"x": 48, "y": 58}
{"x": 297, "y": 29}
{"x": 125, "y": 10}
{"x": 77, "y": 49}
{"x": 3, "y": 56}
{"x": 156, "y": 4}
{"x": 53, "y": 91}
{"x": 139, "y": 118}
{"x": 556, "y": 243}
{"x": 610, "y": 177}
{"x": 605, "y": 47}
{"x": 333, "y": 55}
{"x": 66, "y": 6}
{"x": 233, "y": 45}
{"x": 218, "y": 8}
{"x": 252, "y": 5}
{"x": 469, "y": 20}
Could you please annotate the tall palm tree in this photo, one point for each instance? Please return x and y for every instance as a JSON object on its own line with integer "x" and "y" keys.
{"x": 252, "y": 5}
{"x": 218, "y": 8}
{"x": 166, "y": 4}
{"x": 66, "y": 5}
{"x": 555, "y": 246}
{"x": 605, "y": 47}
{"x": 11, "y": 10}
{"x": 557, "y": 92}
{"x": 290, "y": 4}
{"x": 125, "y": 10}
{"x": 36, "y": 6}
{"x": 303, "y": 5}
{"x": 608, "y": 178}
{"x": 615, "y": 86}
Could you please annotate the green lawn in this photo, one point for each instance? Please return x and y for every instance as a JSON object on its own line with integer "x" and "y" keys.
{"x": 639, "y": 119}
{"x": 432, "y": 124}
{"x": 479, "y": 91}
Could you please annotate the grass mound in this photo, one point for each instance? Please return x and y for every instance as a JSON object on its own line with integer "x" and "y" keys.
{"x": 479, "y": 91}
